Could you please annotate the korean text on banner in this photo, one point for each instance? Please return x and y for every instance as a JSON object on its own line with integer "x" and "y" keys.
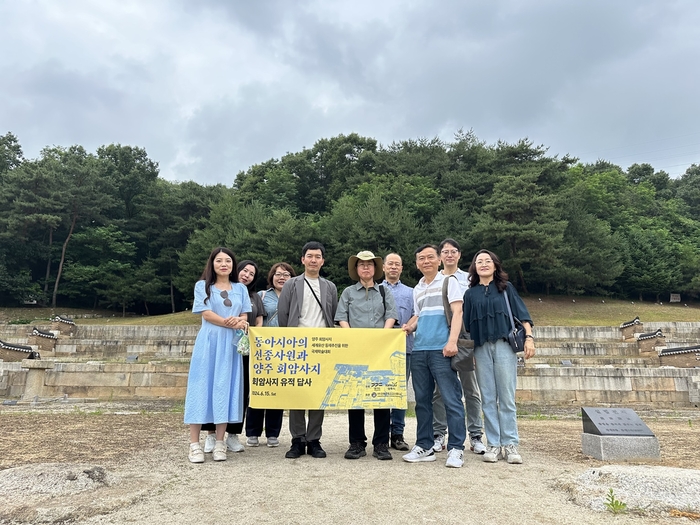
{"x": 329, "y": 369}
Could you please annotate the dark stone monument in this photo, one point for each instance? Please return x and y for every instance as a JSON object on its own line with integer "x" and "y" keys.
{"x": 617, "y": 433}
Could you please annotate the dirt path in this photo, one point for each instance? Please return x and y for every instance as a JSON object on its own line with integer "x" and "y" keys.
{"x": 110, "y": 463}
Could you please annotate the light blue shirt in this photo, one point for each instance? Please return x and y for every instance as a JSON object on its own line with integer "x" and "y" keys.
{"x": 269, "y": 301}
{"x": 403, "y": 297}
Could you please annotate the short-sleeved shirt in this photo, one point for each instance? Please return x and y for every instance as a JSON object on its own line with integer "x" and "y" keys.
{"x": 269, "y": 301}
{"x": 403, "y": 297}
{"x": 462, "y": 278}
{"x": 365, "y": 307}
{"x": 432, "y": 331}
{"x": 240, "y": 303}
{"x": 257, "y": 309}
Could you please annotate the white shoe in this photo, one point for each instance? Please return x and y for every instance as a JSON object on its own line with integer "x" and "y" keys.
{"x": 209, "y": 443}
{"x": 219, "y": 451}
{"x": 492, "y": 454}
{"x": 418, "y": 454}
{"x": 512, "y": 456}
{"x": 233, "y": 444}
{"x": 196, "y": 454}
{"x": 455, "y": 458}
{"x": 252, "y": 441}
{"x": 439, "y": 444}
{"x": 477, "y": 446}
{"x": 273, "y": 442}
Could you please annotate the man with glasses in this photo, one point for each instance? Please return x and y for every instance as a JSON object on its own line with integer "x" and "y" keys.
{"x": 434, "y": 344}
{"x": 308, "y": 300}
{"x": 403, "y": 297}
{"x": 449, "y": 255}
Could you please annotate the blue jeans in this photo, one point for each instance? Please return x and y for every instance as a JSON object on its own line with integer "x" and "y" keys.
{"x": 472, "y": 397}
{"x": 429, "y": 367}
{"x": 398, "y": 415}
{"x": 496, "y": 372}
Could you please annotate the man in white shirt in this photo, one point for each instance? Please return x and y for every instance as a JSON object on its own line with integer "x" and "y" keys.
{"x": 307, "y": 300}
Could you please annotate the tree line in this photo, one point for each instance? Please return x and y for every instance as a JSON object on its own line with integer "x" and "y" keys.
{"x": 103, "y": 229}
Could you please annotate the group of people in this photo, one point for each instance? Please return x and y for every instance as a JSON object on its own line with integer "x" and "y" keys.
{"x": 218, "y": 383}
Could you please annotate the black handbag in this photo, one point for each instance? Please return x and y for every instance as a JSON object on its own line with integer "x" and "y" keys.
{"x": 516, "y": 336}
{"x": 463, "y": 360}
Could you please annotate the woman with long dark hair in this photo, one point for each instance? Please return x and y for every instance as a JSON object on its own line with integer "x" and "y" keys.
{"x": 215, "y": 379}
{"x": 247, "y": 272}
{"x": 486, "y": 319}
{"x": 259, "y": 418}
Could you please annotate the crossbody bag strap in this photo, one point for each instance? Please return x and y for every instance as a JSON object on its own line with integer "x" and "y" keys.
{"x": 383, "y": 292}
{"x": 323, "y": 312}
{"x": 510, "y": 312}
{"x": 448, "y": 307}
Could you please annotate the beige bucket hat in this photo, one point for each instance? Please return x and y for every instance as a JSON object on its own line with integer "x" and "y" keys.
{"x": 365, "y": 256}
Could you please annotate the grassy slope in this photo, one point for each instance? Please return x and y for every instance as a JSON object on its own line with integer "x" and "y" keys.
{"x": 550, "y": 311}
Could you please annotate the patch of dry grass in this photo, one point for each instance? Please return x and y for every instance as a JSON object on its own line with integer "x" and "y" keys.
{"x": 545, "y": 310}
{"x": 597, "y": 311}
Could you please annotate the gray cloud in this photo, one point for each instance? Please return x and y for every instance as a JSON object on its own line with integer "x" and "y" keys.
{"x": 210, "y": 88}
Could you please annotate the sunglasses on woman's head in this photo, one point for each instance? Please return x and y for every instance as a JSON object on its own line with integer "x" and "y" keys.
{"x": 224, "y": 296}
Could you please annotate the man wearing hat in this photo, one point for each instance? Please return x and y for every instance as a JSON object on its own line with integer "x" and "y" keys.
{"x": 367, "y": 304}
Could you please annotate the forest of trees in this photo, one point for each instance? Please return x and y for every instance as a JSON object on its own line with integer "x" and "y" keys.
{"x": 103, "y": 229}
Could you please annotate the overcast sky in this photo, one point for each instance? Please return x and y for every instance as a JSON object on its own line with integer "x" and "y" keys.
{"x": 211, "y": 87}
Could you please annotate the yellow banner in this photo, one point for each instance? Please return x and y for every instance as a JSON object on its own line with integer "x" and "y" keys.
{"x": 327, "y": 368}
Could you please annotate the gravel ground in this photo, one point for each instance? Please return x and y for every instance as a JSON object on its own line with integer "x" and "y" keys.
{"x": 126, "y": 463}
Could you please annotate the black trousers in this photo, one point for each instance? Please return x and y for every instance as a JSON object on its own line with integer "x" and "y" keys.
{"x": 237, "y": 428}
{"x": 382, "y": 424}
{"x": 269, "y": 418}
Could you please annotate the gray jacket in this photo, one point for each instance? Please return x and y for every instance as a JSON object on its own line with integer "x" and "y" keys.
{"x": 289, "y": 304}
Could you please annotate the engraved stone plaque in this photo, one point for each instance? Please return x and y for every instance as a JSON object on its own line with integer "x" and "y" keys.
{"x": 613, "y": 422}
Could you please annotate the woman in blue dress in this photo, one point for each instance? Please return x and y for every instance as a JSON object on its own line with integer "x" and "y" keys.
{"x": 215, "y": 380}
{"x": 487, "y": 321}
{"x": 270, "y": 419}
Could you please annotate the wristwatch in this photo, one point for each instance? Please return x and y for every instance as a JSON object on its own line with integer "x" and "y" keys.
{"x": 530, "y": 336}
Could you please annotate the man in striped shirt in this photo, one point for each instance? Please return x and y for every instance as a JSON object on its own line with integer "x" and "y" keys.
{"x": 434, "y": 344}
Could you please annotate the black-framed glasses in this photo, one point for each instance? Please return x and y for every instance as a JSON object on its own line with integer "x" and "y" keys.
{"x": 224, "y": 296}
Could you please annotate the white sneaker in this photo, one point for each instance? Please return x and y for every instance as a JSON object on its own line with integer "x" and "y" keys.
{"x": 512, "y": 456}
{"x": 477, "y": 446}
{"x": 209, "y": 443}
{"x": 492, "y": 454}
{"x": 233, "y": 444}
{"x": 418, "y": 454}
{"x": 273, "y": 442}
{"x": 455, "y": 458}
{"x": 252, "y": 441}
{"x": 219, "y": 451}
{"x": 196, "y": 454}
{"x": 439, "y": 445}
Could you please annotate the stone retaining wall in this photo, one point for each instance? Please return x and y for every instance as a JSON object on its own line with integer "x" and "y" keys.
{"x": 578, "y": 385}
{"x": 662, "y": 387}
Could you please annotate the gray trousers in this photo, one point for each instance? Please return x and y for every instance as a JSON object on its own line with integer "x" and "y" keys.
{"x": 299, "y": 429}
{"x": 472, "y": 396}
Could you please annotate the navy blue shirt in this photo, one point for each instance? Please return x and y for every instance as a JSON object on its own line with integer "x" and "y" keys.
{"x": 485, "y": 313}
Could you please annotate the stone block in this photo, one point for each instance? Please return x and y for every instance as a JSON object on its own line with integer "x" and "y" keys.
{"x": 161, "y": 392}
{"x": 87, "y": 379}
{"x": 613, "y": 448}
{"x": 158, "y": 380}
{"x": 653, "y": 383}
{"x": 523, "y": 395}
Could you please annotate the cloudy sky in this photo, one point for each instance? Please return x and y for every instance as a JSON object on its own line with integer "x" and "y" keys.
{"x": 211, "y": 87}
